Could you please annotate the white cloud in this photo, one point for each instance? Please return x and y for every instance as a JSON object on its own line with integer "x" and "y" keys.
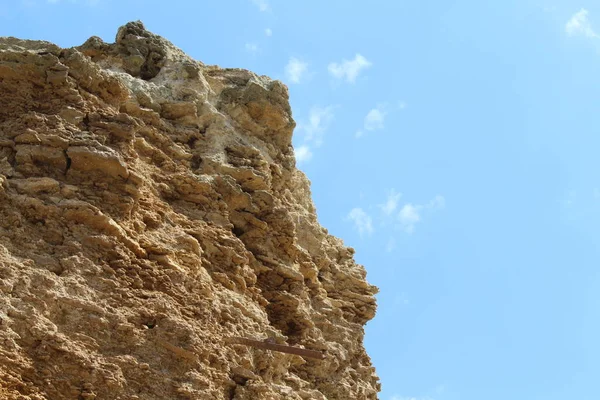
{"x": 349, "y": 70}
{"x": 579, "y": 24}
{"x": 391, "y": 203}
{"x": 390, "y": 245}
{"x": 263, "y": 5}
{"x": 409, "y": 215}
{"x": 401, "y": 299}
{"x": 319, "y": 120}
{"x": 402, "y": 105}
{"x": 314, "y": 128}
{"x": 295, "y": 70}
{"x": 88, "y": 2}
{"x": 362, "y": 221}
{"x": 374, "y": 119}
{"x": 268, "y": 32}
{"x": 437, "y": 203}
{"x": 303, "y": 154}
{"x": 251, "y": 47}
{"x": 439, "y": 390}
{"x": 570, "y": 198}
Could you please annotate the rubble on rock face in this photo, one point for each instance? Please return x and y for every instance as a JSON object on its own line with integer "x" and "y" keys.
{"x": 150, "y": 208}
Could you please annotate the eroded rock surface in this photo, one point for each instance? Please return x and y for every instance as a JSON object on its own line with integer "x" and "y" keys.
{"x": 150, "y": 208}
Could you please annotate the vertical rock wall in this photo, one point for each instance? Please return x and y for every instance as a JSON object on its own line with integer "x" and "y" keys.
{"x": 150, "y": 209}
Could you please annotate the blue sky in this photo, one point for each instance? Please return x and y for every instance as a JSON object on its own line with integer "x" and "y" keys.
{"x": 453, "y": 144}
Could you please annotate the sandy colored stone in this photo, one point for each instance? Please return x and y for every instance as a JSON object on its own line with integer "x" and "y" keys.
{"x": 150, "y": 208}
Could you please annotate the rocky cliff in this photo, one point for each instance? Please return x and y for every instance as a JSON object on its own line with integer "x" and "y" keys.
{"x": 150, "y": 211}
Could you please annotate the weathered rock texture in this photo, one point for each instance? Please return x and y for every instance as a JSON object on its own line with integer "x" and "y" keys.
{"x": 150, "y": 209}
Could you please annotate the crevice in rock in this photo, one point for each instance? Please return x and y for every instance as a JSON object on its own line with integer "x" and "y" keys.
{"x": 196, "y": 162}
{"x": 231, "y": 392}
{"x": 151, "y": 324}
{"x": 150, "y": 68}
{"x": 237, "y": 231}
{"x": 192, "y": 142}
{"x": 86, "y": 121}
{"x": 68, "y": 161}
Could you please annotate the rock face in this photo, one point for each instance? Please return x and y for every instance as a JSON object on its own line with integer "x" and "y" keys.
{"x": 150, "y": 209}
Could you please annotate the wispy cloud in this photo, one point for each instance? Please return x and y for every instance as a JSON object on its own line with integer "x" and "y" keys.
{"x": 303, "y": 154}
{"x": 439, "y": 390}
{"x": 390, "y": 245}
{"x": 411, "y": 214}
{"x": 314, "y": 129}
{"x": 402, "y": 105}
{"x": 437, "y": 203}
{"x": 296, "y": 70}
{"x": 88, "y": 2}
{"x": 268, "y": 32}
{"x": 580, "y": 25}
{"x": 401, "y": 299}
{"x": 319, "y": 120}
{"x": 263, "y": 5}
{"x": 390, "y": 205}
{"x": 252, "y": 48}
{"x": 349, "y": 70}
{"x": 374, "y": 120}
{"x": 570, "y": 198}
{"x": 362, "y": 221}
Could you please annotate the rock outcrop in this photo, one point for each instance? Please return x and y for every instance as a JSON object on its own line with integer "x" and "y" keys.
{"x": 150, "y": 209}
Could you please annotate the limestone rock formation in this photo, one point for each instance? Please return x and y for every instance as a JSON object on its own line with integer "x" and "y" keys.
{"x": 150, "y": 209}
